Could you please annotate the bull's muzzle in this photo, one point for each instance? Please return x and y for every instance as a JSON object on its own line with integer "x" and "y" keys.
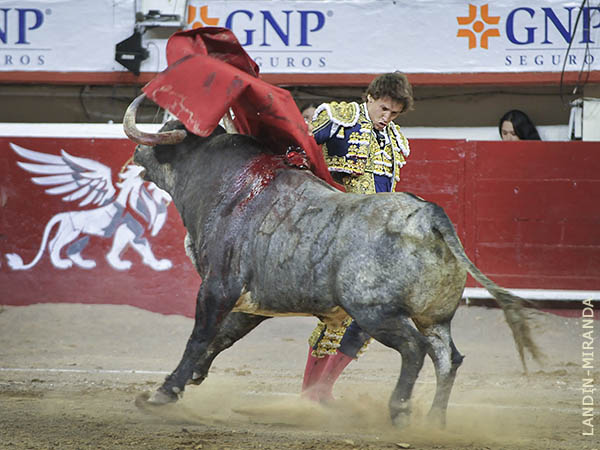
{"x": 141, "y": 137}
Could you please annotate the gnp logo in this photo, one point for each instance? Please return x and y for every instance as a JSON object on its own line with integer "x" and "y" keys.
{"x": 17, "y": 29}
{"x": 22, "y": 21}
{"x": 534, "y": 35}
{"x": 287, "y": 27}
{"x": 527, "y": 25}
{"x": 478, "y": 26}
{"x": 198, "y": 17}
{"x": 275, "y": 38}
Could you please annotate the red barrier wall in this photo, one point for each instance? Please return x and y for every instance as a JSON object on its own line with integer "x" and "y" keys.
{"x": 528, "y": 214}
{"x": 26, "y": 209}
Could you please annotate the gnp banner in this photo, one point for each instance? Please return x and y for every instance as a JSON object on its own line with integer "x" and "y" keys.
{"x": 329, "y": 36}
{"x": 373, "y": 36}
{"x": 63, "y": 35}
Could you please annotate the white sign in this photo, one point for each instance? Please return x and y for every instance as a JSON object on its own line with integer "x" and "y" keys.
{"x": 63, "y": 35}
{"x": 373, "y": 36}
{"x": 90, "y": 182}
{"x": 329, "y": 36}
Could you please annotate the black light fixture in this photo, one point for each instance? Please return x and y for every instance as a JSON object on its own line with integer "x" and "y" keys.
{"x": 130, "y": 53}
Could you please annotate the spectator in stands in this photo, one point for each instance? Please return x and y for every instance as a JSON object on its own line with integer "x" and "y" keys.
{"x": 515, "y": 125}
{"x": 308, "y": 112}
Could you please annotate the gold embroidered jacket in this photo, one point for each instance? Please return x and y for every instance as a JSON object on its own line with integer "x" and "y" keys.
{"x": 351, "y": 148}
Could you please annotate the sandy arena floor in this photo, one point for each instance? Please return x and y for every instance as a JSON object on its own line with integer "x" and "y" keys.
{"x": 69, "y": 375}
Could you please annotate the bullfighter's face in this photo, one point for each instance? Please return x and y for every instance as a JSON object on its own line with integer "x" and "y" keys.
{"x": 382, "y": 111}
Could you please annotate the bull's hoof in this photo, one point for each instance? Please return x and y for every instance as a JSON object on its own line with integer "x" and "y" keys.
{"x": 156, "y": 398}
{"x": 437, "y": 418}
{"x": 401, "y": 420}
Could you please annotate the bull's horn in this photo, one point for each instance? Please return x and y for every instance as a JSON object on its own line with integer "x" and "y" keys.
{"x": 150, "y": 139}
{"x": 228, "y": 123}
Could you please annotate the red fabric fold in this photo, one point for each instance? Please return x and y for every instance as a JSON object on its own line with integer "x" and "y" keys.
{"x": 208, "y": 73}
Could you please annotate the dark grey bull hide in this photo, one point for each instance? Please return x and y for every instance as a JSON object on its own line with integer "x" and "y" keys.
{"x": 272, "y": 240}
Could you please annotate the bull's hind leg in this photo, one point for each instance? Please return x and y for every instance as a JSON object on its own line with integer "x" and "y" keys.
{"x": 446, "y": 360}
{"x": 396, "y": 331}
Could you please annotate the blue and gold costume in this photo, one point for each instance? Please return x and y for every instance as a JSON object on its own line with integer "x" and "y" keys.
{"x": 365, "y": 161}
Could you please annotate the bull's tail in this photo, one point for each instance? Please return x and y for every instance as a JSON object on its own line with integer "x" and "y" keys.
{"x": 515, "y": 313}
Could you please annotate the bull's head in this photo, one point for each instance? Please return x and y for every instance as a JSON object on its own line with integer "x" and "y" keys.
{"x": 155, "y": 150}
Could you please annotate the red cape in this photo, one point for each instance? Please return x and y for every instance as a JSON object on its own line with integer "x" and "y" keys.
{"x": 209, "y": 72}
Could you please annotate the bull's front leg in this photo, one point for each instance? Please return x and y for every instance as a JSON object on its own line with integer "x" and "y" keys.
{"x": 235, "y": 326}
{"x": 210, "y": 312}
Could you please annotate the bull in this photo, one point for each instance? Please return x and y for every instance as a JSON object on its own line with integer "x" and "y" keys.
{"x": 269, "y": 240}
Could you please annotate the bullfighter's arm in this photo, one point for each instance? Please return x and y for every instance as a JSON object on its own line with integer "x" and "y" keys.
{"x": 334, "y": 128}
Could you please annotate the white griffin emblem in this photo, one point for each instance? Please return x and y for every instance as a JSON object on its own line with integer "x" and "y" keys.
{"x": 91, "y": 181}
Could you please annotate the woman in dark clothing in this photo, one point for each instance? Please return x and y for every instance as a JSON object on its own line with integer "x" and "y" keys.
{"x": 515, "y": 125}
